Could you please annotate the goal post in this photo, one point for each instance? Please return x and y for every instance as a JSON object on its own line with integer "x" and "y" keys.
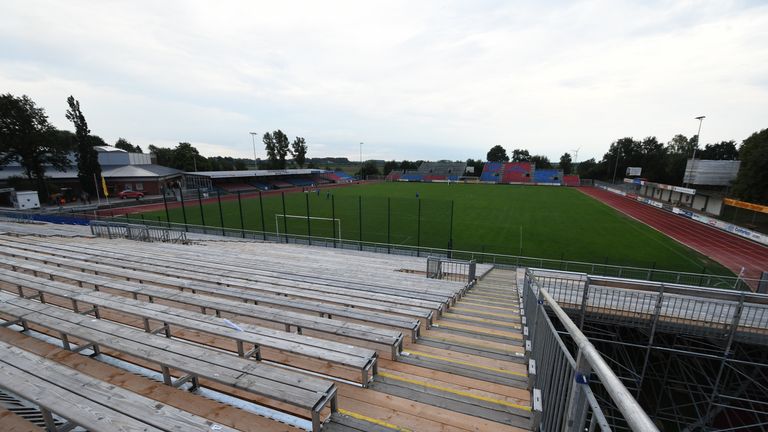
{"x": 279, "y": 217}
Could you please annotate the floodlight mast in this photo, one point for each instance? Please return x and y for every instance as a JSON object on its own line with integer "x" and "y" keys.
{"x": 253, "y": 138}
{"x": 698, "y": 140}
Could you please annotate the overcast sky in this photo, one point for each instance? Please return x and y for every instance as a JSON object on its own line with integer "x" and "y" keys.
{"x": 411, "y": 79}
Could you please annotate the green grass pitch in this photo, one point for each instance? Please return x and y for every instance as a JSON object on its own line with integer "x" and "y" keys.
{"x": 555, "y": 222}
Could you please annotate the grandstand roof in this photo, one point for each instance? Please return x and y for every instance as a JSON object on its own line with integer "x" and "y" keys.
{"x": 254, "y": 173}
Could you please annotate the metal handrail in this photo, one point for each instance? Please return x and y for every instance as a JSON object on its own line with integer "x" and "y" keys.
{"x": 567, "y": 398}
{"x": 633, "y": 413}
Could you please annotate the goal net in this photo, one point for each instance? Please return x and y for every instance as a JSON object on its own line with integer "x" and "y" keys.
{"x": 320, "y": 226}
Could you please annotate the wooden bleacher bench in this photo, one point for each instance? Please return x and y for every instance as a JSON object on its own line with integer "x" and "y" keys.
{"x": 392, "y": 340}
{"x": 196, "y": 362}
{"x": 252, "y": 271}
{"x": 86, "y": 401}
{"x": 202, "y": 281}
{"x": 346, "y": 356}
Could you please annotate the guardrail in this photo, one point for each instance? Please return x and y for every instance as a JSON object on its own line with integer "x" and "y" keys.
{"x": 562, "y": 382}
{"x": 699, "y": 311}
{"x": 137, "y": 232}
{"x": 452, "y": 269}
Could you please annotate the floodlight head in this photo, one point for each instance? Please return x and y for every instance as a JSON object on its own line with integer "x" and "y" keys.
{"x": 701, "y": 117}
{"x": 253, "y": 133}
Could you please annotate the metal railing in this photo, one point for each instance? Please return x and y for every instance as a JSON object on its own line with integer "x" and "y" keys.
{"x": 452, "y": 269}
{"x": 499, "y": 260}
{"x": 562, "y": 381}
{"x": 699, "y": 311}
{"x": 137, "y": 232}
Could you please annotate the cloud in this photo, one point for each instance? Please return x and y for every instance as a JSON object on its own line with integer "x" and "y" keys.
{"x": 423, "y": 80}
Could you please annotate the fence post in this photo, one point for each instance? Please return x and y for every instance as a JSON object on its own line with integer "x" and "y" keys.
{"x": 577, "y": 401}
{"x": 418, "y": 228}
{"x": 240, "y": 208}
{"x": 202, "y": 214}
{"x": 584, "y": 298}
{"x": 450, "y": 234}
{"x": 333, "y": 218}
{"x": 263, "y": 227}
{"x": 165, "y": 203}
{"x": 309, "y": 228}
{"x": 360, "y": 220}
{"x": 389, "y": 225}
{"x": 285, "y": 218}
{"x": 183, "y": 210}
{"x": 221, "y": 214}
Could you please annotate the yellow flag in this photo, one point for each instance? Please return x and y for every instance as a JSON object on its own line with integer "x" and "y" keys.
{"x": 104, "y": 187}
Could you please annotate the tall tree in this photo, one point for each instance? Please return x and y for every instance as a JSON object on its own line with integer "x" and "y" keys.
{"x": 725, "y": 150}
{"x": 28, "y": 138}
{"x": 367, "y": 169}
{"x": 163, "y": 155}
{"x": 752, "y": 182}
{"x": 124, "y": 144}
{"x": 299, "y": 151}
{"x": 187, "y": 158}
{"x": 390, "y": 166}
{"x": 590, "y": 169}
{"x": 477, "y": 166}
{"x": 541, "y": 162}
{"x": 282, "y": 146}
{"x": 408, "y": 165}
{"x": 566, "y": 163}
{"x": 271, "y": 149}
{"x": 521, "y": 155}
{"x": 497, "y": 154}
{"x": 88, "y": 168}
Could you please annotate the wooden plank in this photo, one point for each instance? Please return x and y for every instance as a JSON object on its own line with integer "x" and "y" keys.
{"x": 273, "y": 382}
{"x": 10, "y": 422}
{"x": 66, "y": 404}
{"x": 251, "y": 273}
{"x": 243, "y": 294}
{"x": 182, "y": 399}
{"x": 373, "y": 334}
{"x": 98, "y": 393}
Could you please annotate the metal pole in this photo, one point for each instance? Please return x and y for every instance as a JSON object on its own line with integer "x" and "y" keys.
{"x": 450, "y": 232}
{"x": 285, "y": 218}
{"x": 418, "y": 228}
{"x": 360, "y": 219}
{"x": 165, "y": 203}
{"x": 389, "y": 225}
{"x": 333, "y": 218}
{"x": 221, "y": 214}
{"x": 616, "y": 167}
{"x": 263, "y": 228}
{"x": 253, "y": 138}
{"x": 361, "y": 161}
{"x": 200, "y": 203}
{"x": 698, "y": 141}
{"x": 96, "y": 184}
{"x": 240, "y": 208}
{"x": 183, "y": 210}
{"x": 309, "y": 229}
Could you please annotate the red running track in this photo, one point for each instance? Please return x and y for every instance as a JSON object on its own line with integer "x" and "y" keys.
{"x": 729, "y": 250}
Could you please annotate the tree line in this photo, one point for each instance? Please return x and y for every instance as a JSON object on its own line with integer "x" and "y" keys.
{"x": 29, "y": 139}
{"x": 661, "y": 162}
